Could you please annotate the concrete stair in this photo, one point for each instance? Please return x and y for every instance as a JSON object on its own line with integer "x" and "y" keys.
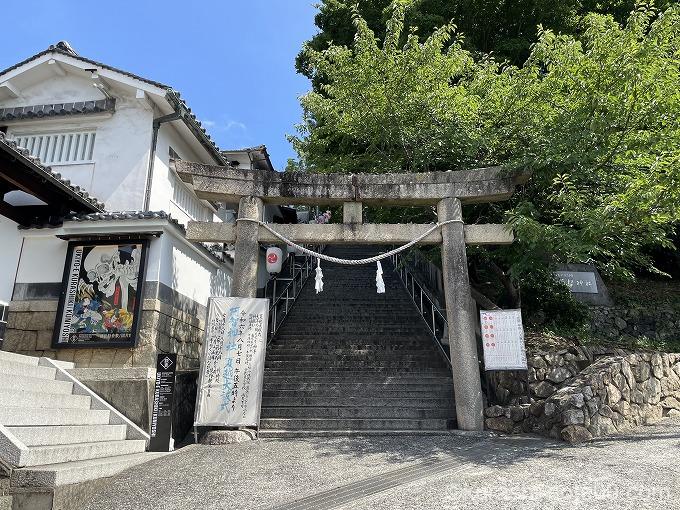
{"x": 57, "y": 436}
{"x": 350, "y": 361}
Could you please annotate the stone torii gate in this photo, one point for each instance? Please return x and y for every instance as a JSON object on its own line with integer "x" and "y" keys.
{"x": 447, "y": 190}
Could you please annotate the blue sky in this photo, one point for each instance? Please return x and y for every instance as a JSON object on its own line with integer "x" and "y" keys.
{"x": 233, "y": 61}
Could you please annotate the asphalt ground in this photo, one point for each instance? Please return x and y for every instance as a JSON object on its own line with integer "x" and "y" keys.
{"x": 640, "y": 470}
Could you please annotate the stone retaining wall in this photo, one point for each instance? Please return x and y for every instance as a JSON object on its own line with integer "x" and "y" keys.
{"x": 163, "y": 328}
{"x": 660, "y": 322}
{"x": 609, "y": 396}
{"x": 546, "y": 372}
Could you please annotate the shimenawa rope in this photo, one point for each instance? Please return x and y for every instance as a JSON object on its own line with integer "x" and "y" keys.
{"x": 318, "y": 280}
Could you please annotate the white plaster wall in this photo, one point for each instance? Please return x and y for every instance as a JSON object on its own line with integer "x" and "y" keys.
{"x": 10, "y": 249}
{"x": 122, "y": 144}
{"x": 189, "y": 273}
{"x": 42, "y": 260}
{"x": 55, "y": 89}
{"x": 164, "y": 178}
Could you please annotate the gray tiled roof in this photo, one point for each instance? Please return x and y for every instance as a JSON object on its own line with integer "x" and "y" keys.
{"x": 142, "y": 215}
{"x": 47, "y": 173}
{"x": 57, "y": 109}
{"x": 122, "y": 215}
{"x": 172, "y": 96}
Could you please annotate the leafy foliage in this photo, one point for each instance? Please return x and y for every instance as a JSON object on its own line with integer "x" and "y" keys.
{"x": 596, "y": 120}
{"x": 505, "y": 29}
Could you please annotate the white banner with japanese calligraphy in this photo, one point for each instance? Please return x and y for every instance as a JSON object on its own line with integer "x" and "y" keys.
{"x": 232, "y": 364}
{"x": 503, "y": 340}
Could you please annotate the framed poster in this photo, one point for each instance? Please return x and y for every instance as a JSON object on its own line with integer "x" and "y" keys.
{"x": 232, "y": 363}
{"x": 503, "y": 340}
{"x": 101, "y": 296}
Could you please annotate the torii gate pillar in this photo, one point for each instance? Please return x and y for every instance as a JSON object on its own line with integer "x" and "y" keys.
{"x": 462, "y": 343}
{"x": 247, "y": 250}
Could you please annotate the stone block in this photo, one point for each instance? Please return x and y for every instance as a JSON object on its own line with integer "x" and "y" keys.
{"x": 670, "y": 403}
{"x": 218, "y": 437}
{"x": 66, "y": 354}
{"x": 613, "y": 394}
{"x": 642, "y": 371}
{"x": 19, "y": 306}
{"x": 122, "y": 358}
{"x": 543, "y": 389}
{"x": 500, "y": 424}
{"x": 517, "y": 413}
{"x": 601, "y": 426}
{"x": 43, "y": 305}
{"x": 575, "y": 434}
{"x": 572, "y": 417}
{"x": 42, "y": 321}
{"x": 144, "y": 356}
{"x": 44, "y": 340}
{"x": 652, "y": 390}
{"x": 102, "y": 358}
{"x": 82, "y": 357}
{"x": 558, "y": 375}
{"x": 19, "y": 340}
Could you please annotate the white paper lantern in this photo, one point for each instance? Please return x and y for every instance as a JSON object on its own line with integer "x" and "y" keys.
{"x": 274, "y": 260}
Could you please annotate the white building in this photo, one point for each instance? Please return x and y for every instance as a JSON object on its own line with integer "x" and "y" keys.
{"x": 111, "y": 134}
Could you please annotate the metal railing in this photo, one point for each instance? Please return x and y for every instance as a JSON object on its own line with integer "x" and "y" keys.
{"x": 432, "y": 315}
{"x": 285, "y": 290}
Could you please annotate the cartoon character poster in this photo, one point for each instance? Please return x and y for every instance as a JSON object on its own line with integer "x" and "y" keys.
{"x": 103, "y": 284}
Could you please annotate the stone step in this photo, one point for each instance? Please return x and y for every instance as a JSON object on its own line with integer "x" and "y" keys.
{"x": 352, "y": 424}
{"x": 19, "y": 358}
{"x": 352, "y": 364}
{"x": 54, "y": 454}
{"x": 338, "y": 341}
{"x": 35, "y": 384}
{"x": 343, "y": 400}
{"x": 54, "y": 475}
{"x": 319, "y": 328}
{"x": 363, "y": 377}
{"x": 350, "y": 356}
{"x": 290, "y": 434}
{"x": 68, "y": 434}
{"x": 374, "y": 317}
{"x": 323, "y": 391}
{"x": 346, "y": 371}
{"x": 392, "y": 349}
{"x": 26, "y": 370}
{"x": 301, "y": 412}
{"x": 17, "y": 397}
{"x": 42, "y": 416}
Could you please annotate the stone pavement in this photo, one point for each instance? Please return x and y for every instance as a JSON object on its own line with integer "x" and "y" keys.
{"x": 639, "y": 471}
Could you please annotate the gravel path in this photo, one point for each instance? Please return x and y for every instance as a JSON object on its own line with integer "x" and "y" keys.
{"x": 638, "y": 471}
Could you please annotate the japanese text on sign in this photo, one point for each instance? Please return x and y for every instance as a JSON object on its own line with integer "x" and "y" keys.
{"x": 578, "y": 281}
{"x": 232, "y": 367}
{"x": 503, "y": 340}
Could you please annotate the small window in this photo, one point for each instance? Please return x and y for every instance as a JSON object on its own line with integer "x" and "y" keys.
{"x": 172, "y": 153}
{"x": 59, "y": 148}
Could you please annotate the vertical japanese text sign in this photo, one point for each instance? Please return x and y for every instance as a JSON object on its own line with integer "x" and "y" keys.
{"x": 161, "y": 418}
{"x": 503, "y": 340}
{"x": 232, "y": 365}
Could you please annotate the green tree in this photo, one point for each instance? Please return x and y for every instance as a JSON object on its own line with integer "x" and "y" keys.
{"x": 505, "y": 29}
{"x": 596, "y": 121}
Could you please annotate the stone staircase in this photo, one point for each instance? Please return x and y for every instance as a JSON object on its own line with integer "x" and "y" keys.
{"x": 56, "y": 434}
{"x": 349, "y": 360}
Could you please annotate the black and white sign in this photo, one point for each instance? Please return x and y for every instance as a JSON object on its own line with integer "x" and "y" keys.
{"x": 503, "y": 340}
{"x": 232, "y": 365}
{"x": 161, "y": 420}
{"x": 579, "y": 281}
